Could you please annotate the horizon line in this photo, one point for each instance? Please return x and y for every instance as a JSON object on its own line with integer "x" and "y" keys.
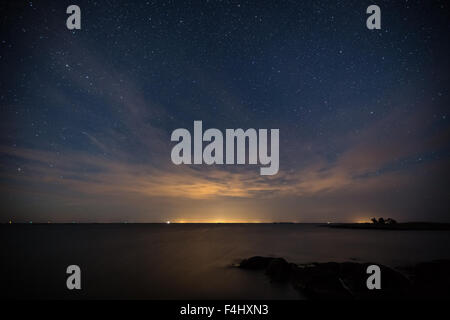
{"x": 213, "y": 222}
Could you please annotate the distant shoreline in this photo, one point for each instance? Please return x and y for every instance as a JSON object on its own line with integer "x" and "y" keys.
{"x": 435, "y": 226}
{"x": 405, "y": 226}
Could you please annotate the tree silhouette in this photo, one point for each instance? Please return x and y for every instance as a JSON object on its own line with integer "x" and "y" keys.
{"x": 390, "y": 221}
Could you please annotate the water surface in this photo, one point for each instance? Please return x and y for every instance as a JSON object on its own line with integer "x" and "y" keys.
{"x": 189, "y": 261}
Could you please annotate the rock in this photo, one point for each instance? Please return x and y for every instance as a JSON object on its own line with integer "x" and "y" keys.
{"x": 320, "y": 281}
{"x": 394, "y": 285}
{"x": 255, "y": 263}
{"x": 278, "y": 269}
{"x": 431, "y": 280}
{"x": 347, "y": 280}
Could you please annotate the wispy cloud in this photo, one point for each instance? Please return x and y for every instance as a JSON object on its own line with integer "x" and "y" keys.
{"x": 359, "y": 167}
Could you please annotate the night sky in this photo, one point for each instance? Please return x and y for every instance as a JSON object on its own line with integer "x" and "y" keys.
{"x": 86, "y": 115}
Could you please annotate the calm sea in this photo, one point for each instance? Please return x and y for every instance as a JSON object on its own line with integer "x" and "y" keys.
{"x": 188, "y": 261}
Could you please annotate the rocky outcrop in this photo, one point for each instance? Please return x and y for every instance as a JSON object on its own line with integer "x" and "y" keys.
{"x": 431, "y": 279}
{"x": 347, "y": 280}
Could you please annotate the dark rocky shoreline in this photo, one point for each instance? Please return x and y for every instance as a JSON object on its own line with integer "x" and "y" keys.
{"x": 406, "y": 226}
{"x": 347, "y": 280}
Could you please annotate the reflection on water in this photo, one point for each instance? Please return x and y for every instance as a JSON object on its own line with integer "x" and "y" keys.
{"x": 189, "y": 261}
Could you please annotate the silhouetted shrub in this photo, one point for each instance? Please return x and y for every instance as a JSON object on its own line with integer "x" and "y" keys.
{"x": 390, "y": 221}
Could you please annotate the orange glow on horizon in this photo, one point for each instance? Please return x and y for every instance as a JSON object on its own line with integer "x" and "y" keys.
{"x": 219, "y": 221}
